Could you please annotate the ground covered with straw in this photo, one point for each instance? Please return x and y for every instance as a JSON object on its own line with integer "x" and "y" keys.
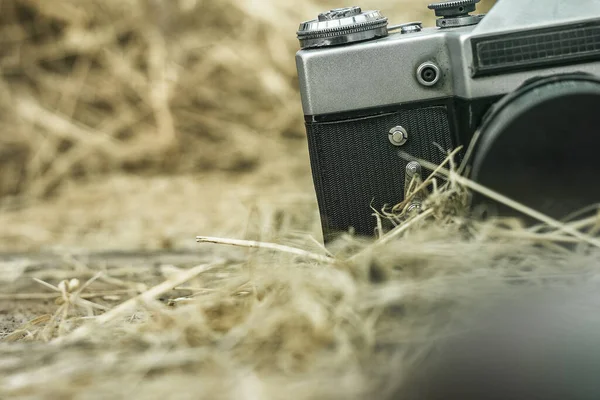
{"x": 130, "y": 127}
{"x": 270, "y": 321}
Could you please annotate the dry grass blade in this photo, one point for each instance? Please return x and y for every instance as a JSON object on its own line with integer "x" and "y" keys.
{"x": 268, "y": 246}
{"x": 49, "y": 296}
{"x": 26, "y": 330}
{"x": 400, "y": 229}
{"x": 46, "y": 284}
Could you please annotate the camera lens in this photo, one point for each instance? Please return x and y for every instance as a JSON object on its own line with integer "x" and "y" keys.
{"x": 540, "y": 147}
{"x": 428, "y": 74}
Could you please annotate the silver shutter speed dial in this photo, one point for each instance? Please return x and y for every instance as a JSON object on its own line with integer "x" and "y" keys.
{"x": 342, "y": 26}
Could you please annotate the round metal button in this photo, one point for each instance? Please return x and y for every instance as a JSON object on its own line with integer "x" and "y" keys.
{"x": 398, "y": 136}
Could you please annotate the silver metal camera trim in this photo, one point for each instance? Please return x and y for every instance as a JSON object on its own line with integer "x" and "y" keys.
{"x": 379, "y": 72}
{"x": 428, "y": 64}
{"x": 409, "y": 27}
{"x": 446, "y": 23}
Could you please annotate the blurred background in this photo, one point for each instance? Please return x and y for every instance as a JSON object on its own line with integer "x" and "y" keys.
{"x": 139, "y": 124}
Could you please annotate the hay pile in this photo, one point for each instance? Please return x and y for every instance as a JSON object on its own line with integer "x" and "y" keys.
{"x": 104, "y": 102}
{"x": 274, "y": 322}
{"x": 142, "y": 86}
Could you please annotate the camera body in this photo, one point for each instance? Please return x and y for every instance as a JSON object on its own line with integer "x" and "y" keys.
{"x": 369, "y": 89}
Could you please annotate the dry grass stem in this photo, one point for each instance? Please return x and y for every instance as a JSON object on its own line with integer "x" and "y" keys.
{"x": 268, "y": 246}
{"x": 400, "y": 229}
{"x": 48, "y": 296}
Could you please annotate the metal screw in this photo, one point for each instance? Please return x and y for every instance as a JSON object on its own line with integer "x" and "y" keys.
{"x": 414, "y": 207}
{"x": 398, "y": 136}
{"x": 413, "y": 168}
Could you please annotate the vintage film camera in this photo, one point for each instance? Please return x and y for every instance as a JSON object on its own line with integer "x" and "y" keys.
{"x": 525, "y": 77}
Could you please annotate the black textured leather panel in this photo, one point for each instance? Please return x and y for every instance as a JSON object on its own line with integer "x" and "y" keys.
{"x": 354, "y": 164}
